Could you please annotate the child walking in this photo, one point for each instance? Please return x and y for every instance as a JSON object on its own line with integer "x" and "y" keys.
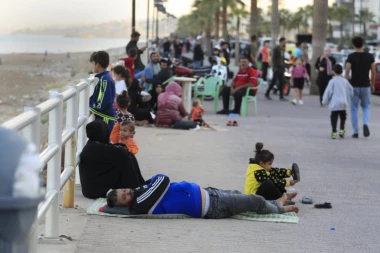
{"x": 197, "y": 113}
{"x": 338, "y": 95}
{"x": 122, "y": 115}
{"x": 298, "y": 78}
{"x": 261, "y": 179}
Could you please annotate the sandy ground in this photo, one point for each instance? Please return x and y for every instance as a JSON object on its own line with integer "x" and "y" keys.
{"x": 25, "y": 79}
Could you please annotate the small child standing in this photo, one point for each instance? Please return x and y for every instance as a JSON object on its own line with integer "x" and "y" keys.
{"x": 197, "y": 113}
{"x": 338, "y": 95}
{"x": 261, "y": 179}
{"x": 298, "y": 78}
{"x": 122, "y": 115}
{"x": 127, "y": 132}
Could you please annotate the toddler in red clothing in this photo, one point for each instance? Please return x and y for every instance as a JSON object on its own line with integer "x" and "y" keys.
{"x": 197, "y": 113}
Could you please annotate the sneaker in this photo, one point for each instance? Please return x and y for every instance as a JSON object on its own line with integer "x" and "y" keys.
{"x": 341, "y": 133}
{"x": 268, "y": 97}
{"x": 300, "y": 102}
{"x": 296, "y": 172}
{"x": 365, "y": 130}
{"x": 223, "y": 112}
{"x": 334, "y": 135}
{"x": 294, "y": 101}
{"x": 355, "y": 136}
{"x": 283, "y": 99}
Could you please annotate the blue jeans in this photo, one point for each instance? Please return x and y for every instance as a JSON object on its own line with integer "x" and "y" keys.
{"x": 197, "y": 64}
{"x": 363, "y": 96}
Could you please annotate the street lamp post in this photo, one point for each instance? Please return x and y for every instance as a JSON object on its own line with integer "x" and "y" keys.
{"x": 147, "y": 29}
{"x": 133, "y": 15}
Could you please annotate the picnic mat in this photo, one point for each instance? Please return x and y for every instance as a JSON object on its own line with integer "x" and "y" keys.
{"x": 93, "y": 209}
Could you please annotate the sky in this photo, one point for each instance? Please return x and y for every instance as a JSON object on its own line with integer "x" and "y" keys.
{"x": 20, "y": 14}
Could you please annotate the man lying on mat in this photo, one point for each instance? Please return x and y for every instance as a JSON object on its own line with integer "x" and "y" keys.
{"x": 160, "y": 196}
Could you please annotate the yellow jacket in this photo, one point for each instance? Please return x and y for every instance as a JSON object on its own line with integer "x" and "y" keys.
{"x": 256, "y": 174}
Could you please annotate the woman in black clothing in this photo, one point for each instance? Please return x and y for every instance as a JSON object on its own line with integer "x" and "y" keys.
{"x": 324, "y": 66}
{"x": 138, "y": 107}
{"x": 157, "y": 90}
{"x": 105, "y": 166}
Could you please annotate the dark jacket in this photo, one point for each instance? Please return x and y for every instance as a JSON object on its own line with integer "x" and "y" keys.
{"x": 198, "y": 53}
{"x": 138, "y": 63}
{"x": 278, "y": 58}
{"x": 104, "y": 166}
{"x": 162, "y": 76}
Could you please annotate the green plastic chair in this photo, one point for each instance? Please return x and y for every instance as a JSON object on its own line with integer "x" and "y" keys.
{"x": 248, "y": 98}
{"x": 211, "y": 88}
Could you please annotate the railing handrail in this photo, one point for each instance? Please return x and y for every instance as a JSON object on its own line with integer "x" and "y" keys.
{"x": 72, "y": 137}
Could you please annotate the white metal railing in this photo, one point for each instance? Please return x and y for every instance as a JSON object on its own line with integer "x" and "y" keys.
{"x": 72, "y": 136}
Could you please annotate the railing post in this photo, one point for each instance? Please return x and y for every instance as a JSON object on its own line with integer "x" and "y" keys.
{"x": 54, "y": 166}
{"x": 84, "y": 97}
{"x": 32, "y": 133}
{"x": 70, "y": 149}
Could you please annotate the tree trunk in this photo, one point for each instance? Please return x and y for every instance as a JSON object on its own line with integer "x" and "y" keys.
{"x": 353, "y": 18}
{"x": 237, "y": 44}
{"x": 275, "y": 22}
{"x": 341, "y": 33}
{"x": 208, "y": 39}
{"x": 330, "y": 30}
{"x": 254, "y": 18}
{"x": 224, "y": 22}
{"x": 319, "y": 38}
{"x": 364, "y": 30}
{"x": 217, "y": 23}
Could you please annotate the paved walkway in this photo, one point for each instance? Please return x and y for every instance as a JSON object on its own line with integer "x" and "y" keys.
{"x": 343, "y": 172}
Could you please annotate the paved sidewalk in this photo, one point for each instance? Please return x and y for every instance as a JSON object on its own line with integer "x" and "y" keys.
{"x": 344, "y": 172}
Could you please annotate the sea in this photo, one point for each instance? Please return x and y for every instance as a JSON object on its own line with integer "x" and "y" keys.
{"x": 54, "y": 44}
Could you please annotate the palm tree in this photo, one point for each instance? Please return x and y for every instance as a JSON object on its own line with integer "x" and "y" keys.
{"x": 295, "y": 21}
{"x": 254, "y": 18}
{"x": 217, "y": 22}
{"x": 275, "y": 22}
{"x": 285, "y": 19}
{"x": 225, "y": 5}
{"x": 319, "y": 36}
{"x": 342, "y": 15}
{"x": 330, "y": 17}
{"x": 238, "y": 13}
{"x": 365, "y": 17}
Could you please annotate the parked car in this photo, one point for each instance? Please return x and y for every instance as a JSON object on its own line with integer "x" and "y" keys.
{"x": 339, "y": 59}
{"x": 243, "y": 46}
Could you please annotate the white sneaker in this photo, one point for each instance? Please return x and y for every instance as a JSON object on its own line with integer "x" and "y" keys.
{"x": 300, "y": 102}
{"x": 294, "y": 101}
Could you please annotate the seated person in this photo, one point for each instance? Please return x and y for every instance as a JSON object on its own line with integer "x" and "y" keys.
{"x": 171, "y": 110}
{"x": 138, "y": 107}
{"x": 261, "y": 179}
{"x": 197, "y": 113}
{"x": 151, "y": 70}
{"x": 122, "y": 78}
{"x": 215, "y": 52}
{"x": 161, "y": 196}
{"x": 127, "y": 133}
{"x": 246, "y": 77}
{"x": 155, "y": 92}
{"x": 164, "y": 74}
{"x": 103, "y": 165}
{"x": 129, "y": 62}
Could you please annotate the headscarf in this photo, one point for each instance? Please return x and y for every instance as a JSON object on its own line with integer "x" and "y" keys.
{"x": 98, "y": 131}
{"x": 173, "y": 88}
{"x": 329, "y": 69}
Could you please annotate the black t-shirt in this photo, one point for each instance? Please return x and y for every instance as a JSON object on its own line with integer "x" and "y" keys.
{"x": 360, "y": 66}
{"x": 166, "y": 46}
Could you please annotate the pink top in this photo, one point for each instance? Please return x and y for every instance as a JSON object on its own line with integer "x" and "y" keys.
{"x": 298, "y": 71}
{"x": 265, "y": 54}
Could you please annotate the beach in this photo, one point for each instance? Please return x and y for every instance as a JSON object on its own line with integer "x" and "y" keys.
{"x": 25, "y": 79}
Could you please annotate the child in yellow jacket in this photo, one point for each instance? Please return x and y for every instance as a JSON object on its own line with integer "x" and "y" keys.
{"x": 261, "y": 179}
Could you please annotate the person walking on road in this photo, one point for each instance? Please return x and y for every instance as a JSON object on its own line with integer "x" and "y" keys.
{"x": 135, "y": 36}
{"x": 324, "y": 67}
{"x": 278, "y": 66}
{"x": 265, "y": 60}
{"x": 360, "y": 63}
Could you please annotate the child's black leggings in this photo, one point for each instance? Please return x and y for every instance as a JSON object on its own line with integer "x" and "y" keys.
{"x": 270, "y": 191}
{"x": 334, "y": 119}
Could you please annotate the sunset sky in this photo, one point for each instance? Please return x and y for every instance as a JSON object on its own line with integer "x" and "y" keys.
{"x": 17, "y": 14}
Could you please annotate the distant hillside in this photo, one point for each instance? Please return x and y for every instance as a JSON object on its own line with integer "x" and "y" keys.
{"x": 112, "y": 29}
